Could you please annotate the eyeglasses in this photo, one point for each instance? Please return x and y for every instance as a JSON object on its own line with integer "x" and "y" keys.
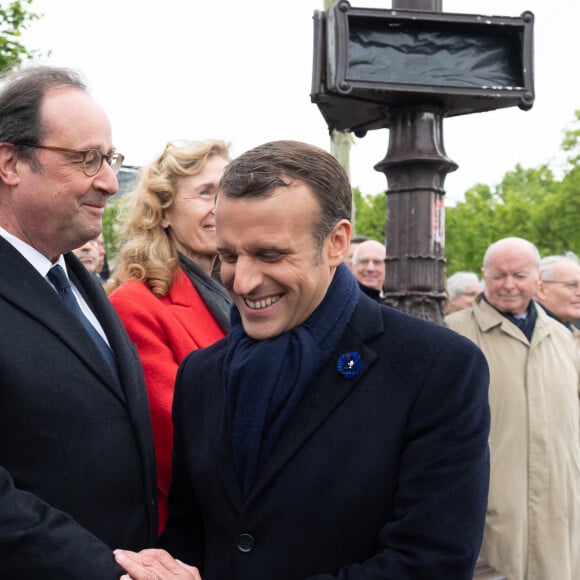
{"x": 92, "y": 158}
{"x": 573, "y": 286}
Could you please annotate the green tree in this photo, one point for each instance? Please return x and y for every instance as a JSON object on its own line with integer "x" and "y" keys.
{"x": 559, "y": 226}
{"x": 14, "y": 18}
{"x": 528, "y": 202}
{"x": 515, "y": 207}
{"x": 469, "y": 226}
{"x": 571, "y": 141}
{"x": 370, "y": 215}
{"x": 565, "y": 210}
{"x": 111, "y": 228}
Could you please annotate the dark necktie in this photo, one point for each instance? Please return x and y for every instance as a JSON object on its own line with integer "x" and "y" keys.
{"x": 60, "y": 281}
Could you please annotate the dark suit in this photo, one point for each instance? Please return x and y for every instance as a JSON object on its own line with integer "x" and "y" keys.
{"x": 380, "y": 476}
{"x": 71, "y": 437}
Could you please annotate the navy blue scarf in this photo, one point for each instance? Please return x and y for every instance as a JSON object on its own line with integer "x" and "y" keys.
{"x": 527, "y": 323}
{"x": 265, "y": 379}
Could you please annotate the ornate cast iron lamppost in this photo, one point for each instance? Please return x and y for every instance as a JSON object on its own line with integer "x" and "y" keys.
{"x": 406, "y": 69}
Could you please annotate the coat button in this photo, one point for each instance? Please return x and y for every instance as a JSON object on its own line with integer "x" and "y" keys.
{"x": 245, "y": 543}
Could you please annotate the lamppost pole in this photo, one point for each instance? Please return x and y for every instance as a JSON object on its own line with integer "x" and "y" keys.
{"x": 415, "y": 167}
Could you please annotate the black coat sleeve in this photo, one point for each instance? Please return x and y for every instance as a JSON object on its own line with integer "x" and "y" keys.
{"x": 39, "y": 541}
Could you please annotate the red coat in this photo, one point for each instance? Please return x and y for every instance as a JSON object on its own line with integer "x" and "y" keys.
{"x": 164, "y": 330}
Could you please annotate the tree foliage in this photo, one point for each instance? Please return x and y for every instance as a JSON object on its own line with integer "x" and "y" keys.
{"x": 370, "y": 215}
{"x": 14, "y": 18}
{"x": 571, "y": 142}
{"x": 529, "y": 202}
{"x": 515, "y": 207}
{"x": 111, "y": 228}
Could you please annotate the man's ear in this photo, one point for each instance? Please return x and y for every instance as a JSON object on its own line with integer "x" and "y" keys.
{"x": 8, "y": 165}
{"x": 339, "y": 241}
{"x": 540, "y": 287}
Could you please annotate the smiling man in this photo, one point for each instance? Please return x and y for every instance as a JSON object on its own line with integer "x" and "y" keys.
{"x": 369, "y": 267}
{"x": 77, "y": 469}
{"x": 327, "y": 436}
{"x": 533, "y": 518}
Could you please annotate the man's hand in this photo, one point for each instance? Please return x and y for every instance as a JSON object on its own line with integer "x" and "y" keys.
{"x": 154, "y": 564}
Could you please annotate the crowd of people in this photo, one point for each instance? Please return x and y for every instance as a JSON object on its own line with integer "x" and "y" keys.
{"x": 231, "y": 398}
{"x": 532, "y": 524}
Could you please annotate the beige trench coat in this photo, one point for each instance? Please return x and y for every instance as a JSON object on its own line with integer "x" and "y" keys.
{"x": 576, "y": 335}
{"x": 532, "y": 529}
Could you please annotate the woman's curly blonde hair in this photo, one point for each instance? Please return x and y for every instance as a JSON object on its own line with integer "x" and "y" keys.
{"x": 146, "y": 251}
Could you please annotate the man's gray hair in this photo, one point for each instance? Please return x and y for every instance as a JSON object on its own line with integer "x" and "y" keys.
{"x": 458, "y": 283}
{"x": 547, "y": 264}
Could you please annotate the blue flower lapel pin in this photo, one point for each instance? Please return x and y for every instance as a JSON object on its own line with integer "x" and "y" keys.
{"x": 349, "y": 364}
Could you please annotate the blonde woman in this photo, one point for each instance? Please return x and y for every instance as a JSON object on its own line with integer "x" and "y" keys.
{"x": 162, "y": 287}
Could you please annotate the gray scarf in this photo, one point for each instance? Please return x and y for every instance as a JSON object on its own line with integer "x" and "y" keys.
{"x": 212, "y": 293}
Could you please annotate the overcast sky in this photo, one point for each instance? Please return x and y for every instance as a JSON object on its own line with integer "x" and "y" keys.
{"x": 242, "y": 70}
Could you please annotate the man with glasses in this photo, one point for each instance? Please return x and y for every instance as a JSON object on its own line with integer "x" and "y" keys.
{"x": 77, "y": 474}
{"x": 369, "y": 268}
{"x": 533, "y": 517}
{"x": 559, "y": 290}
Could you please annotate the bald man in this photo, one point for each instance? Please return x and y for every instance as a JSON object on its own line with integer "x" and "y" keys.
{"x": 533, "y": 516}
{"x": 369, "y": 268}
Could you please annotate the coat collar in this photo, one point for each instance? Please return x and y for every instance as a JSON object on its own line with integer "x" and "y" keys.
{"x": 180, "y": 293}
{"x": 488, "y": 318}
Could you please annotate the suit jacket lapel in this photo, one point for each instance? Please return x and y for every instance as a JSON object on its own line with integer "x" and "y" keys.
{"x": 326, "y": 392}
{"x": 22, "y": 285}
{"x": 131, "y": 390}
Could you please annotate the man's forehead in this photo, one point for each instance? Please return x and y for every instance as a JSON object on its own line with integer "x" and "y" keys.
{"x": 260, "y": 237}
{"x": 73, "y": 113}
{"x": 566, "y": 268}
{"x": 512, "y": 266}
{"x": 510, "y": 261}
{"x": 372, "y": 252}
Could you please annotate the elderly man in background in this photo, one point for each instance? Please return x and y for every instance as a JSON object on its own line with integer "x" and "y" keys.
{"x": 559, "y": 290}
{"x": 462, "y": 288}
{"x": 103, "y": 266}
{"x": 533, "y": 516}
{"x": 368, "y": 263}
{"x": 89, "y": 255}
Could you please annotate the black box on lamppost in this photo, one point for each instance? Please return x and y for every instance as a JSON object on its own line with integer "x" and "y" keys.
{"x": 368, "y": 61}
